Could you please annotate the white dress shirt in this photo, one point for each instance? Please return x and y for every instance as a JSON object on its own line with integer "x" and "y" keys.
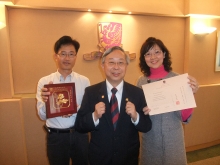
{"x": 81, "y": 82}
{"x": 118, "y": 96}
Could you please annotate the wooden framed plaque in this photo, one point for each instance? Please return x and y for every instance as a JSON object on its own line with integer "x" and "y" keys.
{"x": 62, "y": 99}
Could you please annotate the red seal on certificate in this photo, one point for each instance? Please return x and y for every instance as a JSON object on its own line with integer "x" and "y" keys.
{"x": 62, "y": 99}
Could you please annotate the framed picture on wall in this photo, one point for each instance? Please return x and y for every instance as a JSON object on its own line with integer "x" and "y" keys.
{"x": 217, "y": 59}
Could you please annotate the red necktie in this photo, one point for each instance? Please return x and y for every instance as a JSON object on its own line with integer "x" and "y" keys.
{"x": 114, "y": 108}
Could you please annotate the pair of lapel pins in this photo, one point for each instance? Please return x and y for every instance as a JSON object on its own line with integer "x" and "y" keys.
{"x": 104, "y": 97}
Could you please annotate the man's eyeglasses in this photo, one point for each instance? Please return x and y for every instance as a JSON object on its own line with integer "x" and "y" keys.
{"x": 64, "y": 54}
{"x": 156, "y": 53}
{"x": 120, "y": 63}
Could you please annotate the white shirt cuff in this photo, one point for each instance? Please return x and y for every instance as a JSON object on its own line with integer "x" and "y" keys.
{"x": 95, "y": 122}
{"x": 137, "y": 121}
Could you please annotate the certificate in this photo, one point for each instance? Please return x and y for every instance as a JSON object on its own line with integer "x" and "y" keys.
{"x": 168, "y": 95}
{"x": 62, "y": 99}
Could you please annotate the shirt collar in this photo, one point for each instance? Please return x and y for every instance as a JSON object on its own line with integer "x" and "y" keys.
{"x": 119, "y": 87}
{"x": 60, "y": 77}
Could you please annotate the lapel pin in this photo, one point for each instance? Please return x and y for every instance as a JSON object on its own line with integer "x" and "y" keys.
{"x": 102, "y": 96}
{"x": 126, "y": 99}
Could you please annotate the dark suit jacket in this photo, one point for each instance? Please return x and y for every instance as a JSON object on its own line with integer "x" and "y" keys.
{"x": 109, "y": 147}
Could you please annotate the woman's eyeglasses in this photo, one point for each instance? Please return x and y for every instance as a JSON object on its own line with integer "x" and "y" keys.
{"x": 155, "y": 53}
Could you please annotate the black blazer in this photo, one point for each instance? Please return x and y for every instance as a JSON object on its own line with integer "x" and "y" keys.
{"x": 109, "y": 147}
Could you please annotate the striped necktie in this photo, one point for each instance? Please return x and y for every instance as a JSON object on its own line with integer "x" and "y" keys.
{"x": 114, "y": 108}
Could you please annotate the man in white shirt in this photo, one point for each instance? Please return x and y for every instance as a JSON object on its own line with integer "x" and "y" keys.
{"x": 112, "y": 111}
{"x": 63, "y": 142}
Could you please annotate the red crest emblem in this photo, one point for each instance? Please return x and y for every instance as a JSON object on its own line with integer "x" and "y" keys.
{"x": 110, "y": 34}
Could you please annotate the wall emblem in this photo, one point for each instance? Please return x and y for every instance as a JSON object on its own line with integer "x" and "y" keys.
{"x": 110, "y": 34}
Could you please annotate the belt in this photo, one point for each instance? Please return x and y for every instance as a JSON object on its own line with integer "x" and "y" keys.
{"x": 56, "y": 130}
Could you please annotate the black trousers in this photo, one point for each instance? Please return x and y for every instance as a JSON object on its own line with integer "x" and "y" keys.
{"x": 61, "y": 147}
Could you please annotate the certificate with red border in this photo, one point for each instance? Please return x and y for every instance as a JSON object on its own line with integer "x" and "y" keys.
{"x": 62, "y": 99}
{"x": 167, "y": 95}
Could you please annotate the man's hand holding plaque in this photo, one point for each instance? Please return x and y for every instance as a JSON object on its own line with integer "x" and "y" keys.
{"x": 60, "y": 99}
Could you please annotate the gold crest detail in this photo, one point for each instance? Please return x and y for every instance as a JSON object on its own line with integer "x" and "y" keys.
{"x": 61, "y": 100}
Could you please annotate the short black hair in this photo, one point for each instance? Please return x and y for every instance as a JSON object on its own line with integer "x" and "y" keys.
{"x": 66, "y": 40}
{"x": 147, "y": 45}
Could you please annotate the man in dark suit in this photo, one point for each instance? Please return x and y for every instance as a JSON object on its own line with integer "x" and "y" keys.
{"x": 113, "y": 119}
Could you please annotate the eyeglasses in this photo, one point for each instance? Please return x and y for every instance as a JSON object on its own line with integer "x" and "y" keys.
{"x": 156, "y": 53}
{"x": 64, "y": 54}
{"x": 119, "y": 64}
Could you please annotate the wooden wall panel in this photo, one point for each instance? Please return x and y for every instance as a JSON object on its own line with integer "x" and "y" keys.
{"x": 6, "y": 82}
{"x": 205, "y": 124}
{"x": 161, "y": 7}
{"x": 12, "y": 142}
{"x": 35, "y": 136}
{"x": 208, "y": 7}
